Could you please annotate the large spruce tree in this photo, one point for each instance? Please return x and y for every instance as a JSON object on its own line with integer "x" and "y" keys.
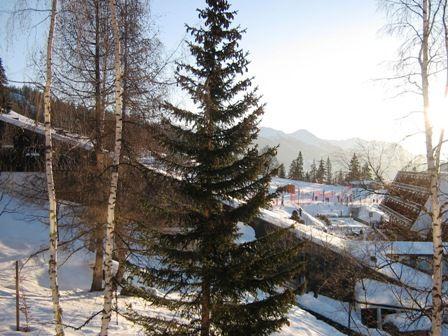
{"x": 211, "y": 283}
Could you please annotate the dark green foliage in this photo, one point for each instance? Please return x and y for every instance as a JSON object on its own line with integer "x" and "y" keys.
{"x": 329, "y": 172}
{"x": 340, "y": 178}
{"x": 354, "y": 170}
{"x": 5, "y": 105}
{"x": 366, "y": 173}
{"x": 273, "y": 163}
{"x": 307, "y": 177}
{"x": 219, "y": 287}
{"x": 320, "y": 174}
{"x": 296, "y": 168}
{"x": 281, "y": 171}
{"x": 313, "y": 172}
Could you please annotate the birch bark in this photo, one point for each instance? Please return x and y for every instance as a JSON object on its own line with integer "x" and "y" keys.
{"x": 431, "y": 157}
{"x": 110, "y": 228}
{"x": 52, "y": 267}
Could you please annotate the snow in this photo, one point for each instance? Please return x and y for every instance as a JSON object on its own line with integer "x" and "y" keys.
{"x": 19, "y": 120}
{"x": 23, "y": 231}
{"x": 370, "y": 253}
{"x": 406, "y": 322}
{"x": 247, "y": 233}
{"x": 373, "y": 254}
{"x": 304, "y": 323}
{"x": 412, "y": 248}
{"x": 355, "y": 207}
{"x": 368, "y": 291}
{"x": 337, "y": 311}
{"x": 410, "y": 322}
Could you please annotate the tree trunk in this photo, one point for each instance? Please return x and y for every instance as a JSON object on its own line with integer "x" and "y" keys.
{"x": 107, "y": 308}
{"x": 98, "y": 113}
{"x": 437, "y": 313}
{"x": 97, "y": 279}
{"x": 52, "y": 267}
{"x": 436, "y": 317}
{"x": 445, "y": 35}
{"x": 120, "y": 253}
{"x": 205, "y": 308}
{"x": 97, "y": 276}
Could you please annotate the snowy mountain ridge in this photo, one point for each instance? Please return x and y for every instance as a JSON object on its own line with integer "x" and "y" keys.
{"x": 339, "y": 151}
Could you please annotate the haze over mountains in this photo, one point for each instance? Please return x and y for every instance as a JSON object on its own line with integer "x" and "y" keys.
{"x": 390, "y": 156}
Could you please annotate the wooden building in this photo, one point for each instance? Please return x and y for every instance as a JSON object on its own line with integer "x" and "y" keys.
{"x": 406, "y": 204}
{"x": 22, "y": 145}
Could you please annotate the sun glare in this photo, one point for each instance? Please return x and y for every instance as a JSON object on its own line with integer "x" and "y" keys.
{"x": 439, "y": 112}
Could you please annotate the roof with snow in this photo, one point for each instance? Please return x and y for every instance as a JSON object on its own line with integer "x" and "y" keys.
{"x": 16, "y": 119}
{"x": 373, "y": 292}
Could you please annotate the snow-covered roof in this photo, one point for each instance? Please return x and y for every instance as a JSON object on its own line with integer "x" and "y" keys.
{"x": 411, "y": 248}
{"x": 411, "y": 322}
{"x": 16, "y": 119}
{"x": 337, "y": 311}
{"x": 373, "y": 292}
{"x": 372, "y": 254}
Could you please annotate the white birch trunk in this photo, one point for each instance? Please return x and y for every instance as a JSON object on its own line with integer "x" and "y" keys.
{"x": 52, "y": 270}
{"x": 107, "y": 308}
{"x": 437, "y": 313}
{"x": 433, "y": 163}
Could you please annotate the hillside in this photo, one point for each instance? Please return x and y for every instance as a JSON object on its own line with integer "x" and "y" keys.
{"x": 390, "y": 156}
{"x": 23, "y": 231}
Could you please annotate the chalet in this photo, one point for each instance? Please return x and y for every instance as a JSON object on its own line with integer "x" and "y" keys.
{"x": 407, "y": 202}
{"x": 386, "y": 306}
{"x": 380, "y": 303}
{"x": 22, "y": 144}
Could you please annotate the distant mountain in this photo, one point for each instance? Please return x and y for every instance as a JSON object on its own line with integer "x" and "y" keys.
{"x": 389, "y": 156}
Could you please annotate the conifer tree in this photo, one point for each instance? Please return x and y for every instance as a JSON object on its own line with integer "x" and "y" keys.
{"x": 320, "y": 174}
{"x": 273, "y": 164}
{"x": 329, "y": 173}
{"x": 354, "y": 170}
{"x": 4, "y": 92}
{"x": 366, "y": 173}
{"x": 300, "y": 173}
{"x": 307, "y": 177}
{"x": 281, "y": 171}
{"x": 296, "y": 168}
{"x": 340, "y": 177}
{"x": 221, "y": 287}
{"x": 313, "y": 172}
{"x": 292, "y": 174}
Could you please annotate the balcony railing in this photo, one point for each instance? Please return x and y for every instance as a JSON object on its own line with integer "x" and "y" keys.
{"x": 396, "y": 216}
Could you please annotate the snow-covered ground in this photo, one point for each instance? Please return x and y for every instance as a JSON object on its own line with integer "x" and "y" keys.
{"x": 23, "y": 231}
{"x": 341, "y": 204}
{"x": 337, "y": 311}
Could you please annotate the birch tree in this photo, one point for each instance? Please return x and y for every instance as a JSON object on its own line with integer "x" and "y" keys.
{"x": 53, "y": 272}
{"x": 110, "y": 228}
{"x": 433, "y": 160}
{"x": 418, "y": 20}
{"x": 85, "y": 77}
{"x": 84, "y": 52}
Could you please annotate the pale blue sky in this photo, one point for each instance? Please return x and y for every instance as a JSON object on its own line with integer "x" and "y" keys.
{"x": 314, "y": 62}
